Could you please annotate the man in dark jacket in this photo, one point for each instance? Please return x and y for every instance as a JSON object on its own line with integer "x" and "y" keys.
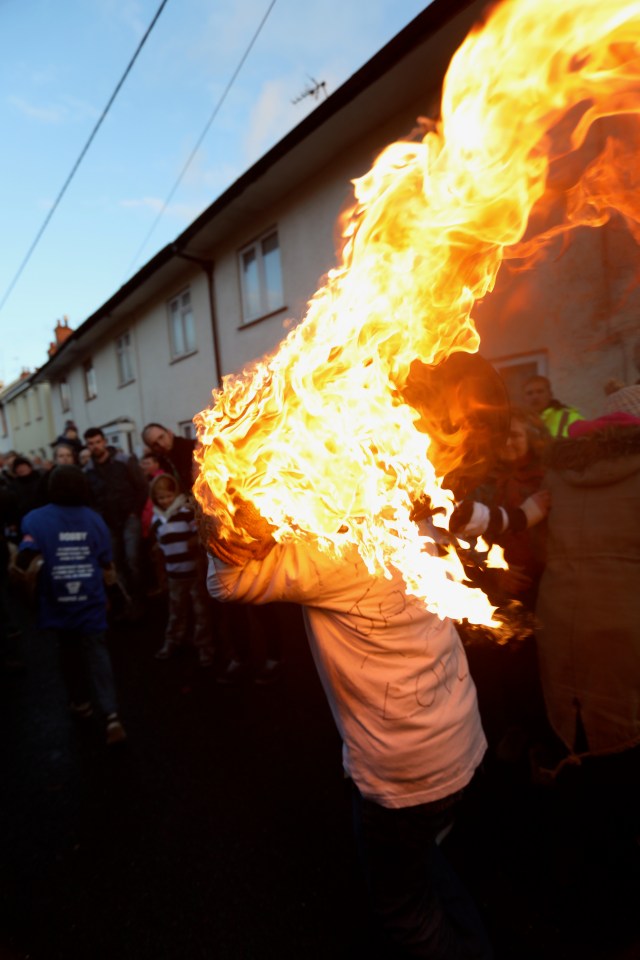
{"x": 175, "y": 453}
{"x": 119, "y": 491}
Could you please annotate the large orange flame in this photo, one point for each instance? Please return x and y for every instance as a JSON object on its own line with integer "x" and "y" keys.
{"x": 319, "y": 436}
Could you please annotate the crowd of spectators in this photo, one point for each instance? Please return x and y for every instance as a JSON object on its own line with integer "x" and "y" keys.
{"x": 146, "y": 506}
{"x": 557, "y": 492}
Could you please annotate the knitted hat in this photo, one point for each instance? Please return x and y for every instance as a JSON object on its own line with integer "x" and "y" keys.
{"x": 625, "y": 400}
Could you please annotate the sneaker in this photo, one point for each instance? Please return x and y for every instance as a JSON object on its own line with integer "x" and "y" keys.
{"x": 444, "y": 833}
{"x": 269, "y": 673}
{"x": 234, "y": 672}
{"x": 82, "y": 710}
{"x": 115, "y": 731}
{"x": 166, "y": 651}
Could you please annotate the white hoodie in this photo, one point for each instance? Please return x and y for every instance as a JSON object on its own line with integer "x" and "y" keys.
{"x": 396, "y": 677}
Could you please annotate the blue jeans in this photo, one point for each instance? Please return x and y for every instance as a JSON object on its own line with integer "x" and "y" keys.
{"x": 86, "y": 666}
{"x": 126, "y": 543}
{"x": 420, "y": 903}
{"x": 184, "y": 596}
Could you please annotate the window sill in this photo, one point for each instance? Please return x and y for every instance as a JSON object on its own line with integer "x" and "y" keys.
{"x": 127, "y": 383}
{"x": 183, "y": 356}
{"x": 264, "y": 316}
{"x": 89, "y": 399}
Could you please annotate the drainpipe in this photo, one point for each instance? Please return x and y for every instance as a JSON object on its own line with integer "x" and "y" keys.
{"x": 208, "y": 266}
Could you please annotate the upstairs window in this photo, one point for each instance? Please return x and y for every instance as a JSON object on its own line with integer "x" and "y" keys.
{"x": 65, "y": 396}
{"x": 37, "y": 403}
{"x": 90, "y": 382}
{"x": 182, "y": 330}
{"x": 124, "y": 354}
{"x": 261, "y": 278}
{"x": 26, "y": 413}
{"x": 515, "y": 371}
{"x": 187, "y": 429}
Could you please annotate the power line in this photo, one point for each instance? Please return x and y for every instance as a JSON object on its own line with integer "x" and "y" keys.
{"x": 82, "y": 154}
{"x": 202, "y": 136}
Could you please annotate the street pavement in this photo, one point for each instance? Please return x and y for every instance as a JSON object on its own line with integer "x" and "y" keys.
{"x": 221, "y": 828}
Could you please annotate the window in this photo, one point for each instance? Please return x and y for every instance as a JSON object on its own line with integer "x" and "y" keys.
{"x": 37, "y": 403}
{"x": 65, "y": 396}
{"x": 261, "y": 278}
{"x": 13, "y": 414}
{"x": 120, "y": 439}
{"x": 182, "y": 331}
{"x": 26, "y": 413}
{"x": 124, "y": 354}
{"x": 187, "y": 429}
{"x": 4, "y": 428}
{"x": 90, "y": 382}
{"x": 516, "y": 370}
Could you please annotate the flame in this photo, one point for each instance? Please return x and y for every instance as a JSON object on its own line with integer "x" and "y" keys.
{"x": 495, "y": 556}
{"x": 325, "y": 437}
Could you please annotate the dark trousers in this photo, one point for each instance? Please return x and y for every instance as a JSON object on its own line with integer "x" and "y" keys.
{"x": 418, "y": 900}
{"x": 86, "y": 667}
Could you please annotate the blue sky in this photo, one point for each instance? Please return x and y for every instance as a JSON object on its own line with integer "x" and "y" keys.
{"x": 60, "y": 62}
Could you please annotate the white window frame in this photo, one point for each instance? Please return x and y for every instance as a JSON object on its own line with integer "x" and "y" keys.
{"x": 182, "y": 326}
{"x": 260, "y": 302}
{"x": 26, "y": 409}
{"x": 65, "y": 395}
{"x": 90, "y": 380}
{"x": 538, "y": 360}
{"x": 37, "y": 402}
{"x": 124, "y": 359}
{"x": 187, "y": 429}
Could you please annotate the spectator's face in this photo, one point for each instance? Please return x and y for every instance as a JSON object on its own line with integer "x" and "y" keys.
{"x": 537, "y": 395}
{"x": 97, "y": 447}
{"x": 84, "y": 456}
{"x": 23, "y": 470}
{"x": 150, "y": 466}
{"x": 63, "y": 457}
{"x": 517, "y": 443}
{"x": 159, "y": 440}
{"x": 165, "y": 497}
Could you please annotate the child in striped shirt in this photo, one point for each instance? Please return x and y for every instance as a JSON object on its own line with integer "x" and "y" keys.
{"x": 175, "y": 531}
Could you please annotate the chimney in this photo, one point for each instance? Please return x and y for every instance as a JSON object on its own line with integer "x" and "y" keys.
{"x": 62, "y": 331}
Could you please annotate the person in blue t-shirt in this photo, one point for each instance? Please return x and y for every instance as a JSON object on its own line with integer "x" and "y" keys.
{"x": 73, "y": 544}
